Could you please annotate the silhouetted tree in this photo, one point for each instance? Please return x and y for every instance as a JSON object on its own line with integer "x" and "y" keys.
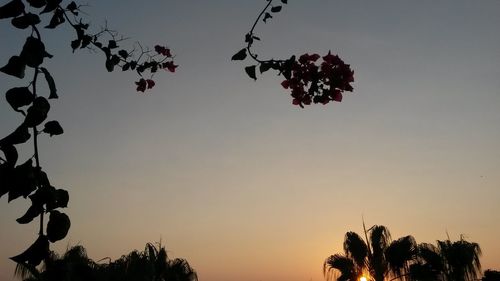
{"x": 428, "y": 264}
{"x": 449, "y": 261}
{"x": 491, "y": 275}
{"x": 376, "y": 258}
{"x": 74, "y": 265}
{"x": 152, "y": 264}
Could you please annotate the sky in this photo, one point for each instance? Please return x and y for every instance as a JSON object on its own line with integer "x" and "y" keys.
{"x": 228, "y": 174}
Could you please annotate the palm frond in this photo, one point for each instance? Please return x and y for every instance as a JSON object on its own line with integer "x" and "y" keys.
{"x": 343, "y": 264}
{"x": 379, "y": 238}
{"x": 379, "y": 241}
{"x": 355, "y": 248}
{"x": 399, "y": 253}
{"x": 26, "y": 271}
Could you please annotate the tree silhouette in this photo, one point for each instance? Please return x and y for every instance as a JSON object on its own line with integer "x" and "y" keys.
{"x": 491, "y": 275}
{"x": 449, "y": 261}
{"x": 152, "y": 264}
{"x": 376, "y": 258}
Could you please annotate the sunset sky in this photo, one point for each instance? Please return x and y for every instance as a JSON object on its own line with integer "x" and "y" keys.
{"x": 243, "y": 184}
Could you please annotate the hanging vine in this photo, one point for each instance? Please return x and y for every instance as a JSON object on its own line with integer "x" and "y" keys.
{"x": 28, "y": 179}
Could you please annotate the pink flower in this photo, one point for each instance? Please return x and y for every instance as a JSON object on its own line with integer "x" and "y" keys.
{"x": 170, "y": 66}
{"x": 150, "y": 83}
{"x": 141, "y": 85}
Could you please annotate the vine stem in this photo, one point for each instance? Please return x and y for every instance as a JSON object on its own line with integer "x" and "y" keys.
{"x": 35, "y": 145}
{"x": 73, "y": 25}
{"x": 250, "y": 33}
{"x": 35, "y": 131}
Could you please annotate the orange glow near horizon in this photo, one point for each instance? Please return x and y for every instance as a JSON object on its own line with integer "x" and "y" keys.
{"x": 363, "y": 279}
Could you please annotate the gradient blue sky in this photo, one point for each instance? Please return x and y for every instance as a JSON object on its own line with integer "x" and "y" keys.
{"x": 243, "y": 184}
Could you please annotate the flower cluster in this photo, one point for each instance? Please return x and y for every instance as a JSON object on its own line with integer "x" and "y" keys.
{"x": 144, "y": 83}
{"x": 163, "y": 51}
{"x": 165, "y": 63}
{"x": 313, "y": 83}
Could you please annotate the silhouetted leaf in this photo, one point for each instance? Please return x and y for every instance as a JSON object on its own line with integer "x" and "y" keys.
{"x": 25, "y": 21}
{"x": 51, "y": 5}
{"x": 32, "y": 212}
{"x": 45, "y": 193}
{"x": 241, "y": 55}
{"x": 59, "y": 199}
{"x": 19, "y": 97}
{"x": 115, "y": 59}
{"x": 276, "y": 9}
{"x": 5, "y": 178}
{"x": 110, "y": 66}
{"x": 24, "y": 182}
{"x": 20, "y": 135}
{"x": 250, "y": 70}
{"x": 53, "y": 128}
{"x": 35, "y": 253}
{"x": 75, "y": 44}
{"x": 123, "y": 54}
{"x": 126, "y": 67}
{"x": 72, "y": 7}
{"x": 86, "y": 40}
{"x": 12, "y": 9}
{"x": 15, "y": 67}
{"x": 112, "y": 44}
{"x": 133, "y": 64}
{"x": 58, "y": 226}
{"x": 57, "y": 19}
{"x": 266, "y": 17}
{"x": 37, "y": 3}
{"x": 10, "y": 153}
{"x": 37, "y": 113}
{"x": 50, "y": 82}
{"x": 265, "y": 66}
{"x": 34, "y": 52}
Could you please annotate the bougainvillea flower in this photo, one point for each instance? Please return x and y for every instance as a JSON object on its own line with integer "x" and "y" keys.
{"x": 163, "y": 51}
{"x": 141, "y": 85}
{"x": 321, "y": 83}
{"x": 150, "y": 83}
{"x": 170, "y": 66}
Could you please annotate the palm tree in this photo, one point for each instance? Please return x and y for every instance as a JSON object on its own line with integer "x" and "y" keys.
{"x": 152, "y": 264}
{"x": 449, "y": 261}
{"x": 376, "y": 257}
{"x": 74, "y": 265}
{"x": 462, "y": 259}
{"x": 491, "y": 275}
{"x": 428, "y": 265}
